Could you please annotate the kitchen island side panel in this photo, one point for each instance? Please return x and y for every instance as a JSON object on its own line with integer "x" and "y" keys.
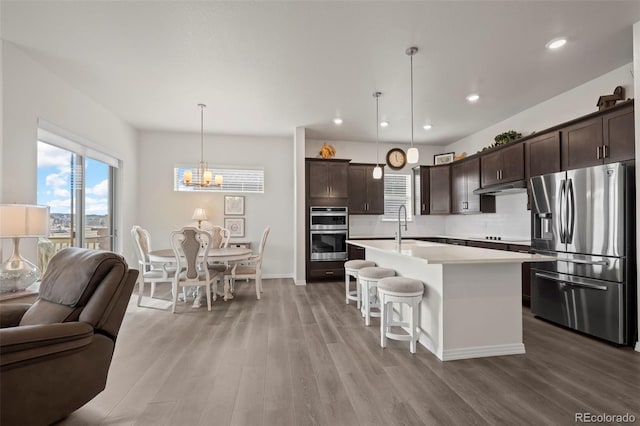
{"x": 468, "y": 310}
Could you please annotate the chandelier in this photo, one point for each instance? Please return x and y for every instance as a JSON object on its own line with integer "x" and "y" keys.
{"x": 201, "y": 176}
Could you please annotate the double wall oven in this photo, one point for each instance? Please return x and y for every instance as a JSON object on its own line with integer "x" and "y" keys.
{"x": 328, "y": 228}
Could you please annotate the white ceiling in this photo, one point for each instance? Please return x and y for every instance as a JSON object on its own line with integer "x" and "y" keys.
{"x": 265, "y": 68}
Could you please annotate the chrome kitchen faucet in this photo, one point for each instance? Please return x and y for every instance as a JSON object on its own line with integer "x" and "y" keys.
{"x": 399, "y": 233}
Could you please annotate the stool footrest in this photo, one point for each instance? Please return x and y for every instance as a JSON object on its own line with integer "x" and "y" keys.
{"x": 396, "y": 336}
{"x": 398, "y": 324}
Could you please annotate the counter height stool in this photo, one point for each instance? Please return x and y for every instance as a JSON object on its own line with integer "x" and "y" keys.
{"x": 400, "y": 290}
{"x": 368, "y": 278}
{"x": 351, "y": 268}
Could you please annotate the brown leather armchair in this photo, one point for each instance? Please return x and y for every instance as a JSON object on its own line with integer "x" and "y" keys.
{"x": 55, "y": 354}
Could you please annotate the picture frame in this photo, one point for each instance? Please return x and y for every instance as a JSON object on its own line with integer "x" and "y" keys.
{"x": 234, "y": 205}
{"x": 445, "y": 158}
{"x": 235, "y": 225}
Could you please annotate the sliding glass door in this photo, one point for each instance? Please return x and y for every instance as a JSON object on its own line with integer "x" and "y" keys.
{"x": 79, "y": 191}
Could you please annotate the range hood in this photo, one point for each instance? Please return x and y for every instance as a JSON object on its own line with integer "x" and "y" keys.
{"x": 503, "y": 188}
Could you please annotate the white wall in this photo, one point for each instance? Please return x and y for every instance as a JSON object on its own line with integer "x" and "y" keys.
{"x": 162, "y": 210}
{"x": 365, "y": 152}
{"x": 299, "y": 239}
{"x": 32, "y": 92}
{"x": 512, "y": 219}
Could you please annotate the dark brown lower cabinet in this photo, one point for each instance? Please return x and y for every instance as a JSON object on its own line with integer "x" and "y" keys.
{"x": 355, "y": 252}
{"x": 329, "y": 270}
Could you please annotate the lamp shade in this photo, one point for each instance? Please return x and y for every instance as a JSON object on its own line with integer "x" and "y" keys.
{"x": 22, "y": 220}
{"x": 199, "y": 214}
{"x": 377, "y": 172}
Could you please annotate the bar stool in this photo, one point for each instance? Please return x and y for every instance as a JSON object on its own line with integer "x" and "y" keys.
{"x": 351, "y": 268}
{"x": 368, "y": 278}
{"x": 400, "y": 290}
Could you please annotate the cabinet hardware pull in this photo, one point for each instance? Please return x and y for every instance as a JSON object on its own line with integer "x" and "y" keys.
{"x": 598, "y": 152}
{"x": 328, "y": 272}
{"x": 424, "y": 206}
{"x": 604, "y": 151}
{"x": 498, "y": 174}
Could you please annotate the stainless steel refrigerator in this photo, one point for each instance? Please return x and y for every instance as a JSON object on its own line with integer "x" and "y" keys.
{"x": 586, "y": 219}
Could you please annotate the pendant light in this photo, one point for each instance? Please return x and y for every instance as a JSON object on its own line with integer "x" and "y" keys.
{"x": 412, "y": 153}
{"x": 201, "y": 176}
{"x": 377, "y": 171}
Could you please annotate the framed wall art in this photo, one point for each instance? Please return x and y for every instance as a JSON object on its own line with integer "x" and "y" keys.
{"x": 234, "y": 205}
{"x": 443, "y": 158}
{"x": 235, "y": 225}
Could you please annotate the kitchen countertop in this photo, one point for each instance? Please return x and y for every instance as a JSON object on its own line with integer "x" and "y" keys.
{"x": 437, "y": 253}
{"x": 506, "y": 240}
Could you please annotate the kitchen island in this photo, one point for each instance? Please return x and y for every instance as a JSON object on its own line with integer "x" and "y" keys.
{"x": 472, "y": 303}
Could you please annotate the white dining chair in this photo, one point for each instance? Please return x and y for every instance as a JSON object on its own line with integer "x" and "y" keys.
{"x": 191, "y": 249}
{"x": 150, "y": 272}
{"x": 220, "y": 238}
{"x": 250, "y": 268}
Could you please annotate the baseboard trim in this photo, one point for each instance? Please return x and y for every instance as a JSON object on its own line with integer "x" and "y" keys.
{"x": 483, "y": 351}
{"x": 300, "y": 282}
{"x": 270, "y": 276}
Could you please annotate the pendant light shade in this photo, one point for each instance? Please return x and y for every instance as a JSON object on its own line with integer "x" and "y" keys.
{"x": 412, "y": 154}
{"x": 377, "y": 170}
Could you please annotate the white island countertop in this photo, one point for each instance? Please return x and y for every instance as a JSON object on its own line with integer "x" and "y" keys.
{"x": 443, "y": 254}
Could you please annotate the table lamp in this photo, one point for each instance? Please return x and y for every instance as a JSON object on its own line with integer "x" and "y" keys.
{"x": 21, "y": 221}
{"x": 199, "y": 214}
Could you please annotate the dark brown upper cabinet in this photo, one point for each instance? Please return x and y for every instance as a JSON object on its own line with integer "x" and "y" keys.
{"x": 465, "y": 178}
{"x": 606, "y": 138}
{"x": 327, "y": 181}
{"x": 366, "y": 194}
{"x": 421, "y": 190}
{"x": 582, "y": 144}
{"x": 619, "y": 135}
{"x": 440, "y": 189}
{"x": 503, "y": 165}
{"x": 542, "y": 154}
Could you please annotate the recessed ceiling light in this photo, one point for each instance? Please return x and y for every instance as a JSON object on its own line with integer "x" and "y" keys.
{"x": 337, "y": 121}
{"x": 473, "y": 97}
{"x": 384, "y": 123}
{"x": 427, "y": 127}
{"x": 556, "y": 43}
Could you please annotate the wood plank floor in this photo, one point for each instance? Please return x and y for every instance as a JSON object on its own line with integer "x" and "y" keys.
{"x": 300, "y": 356}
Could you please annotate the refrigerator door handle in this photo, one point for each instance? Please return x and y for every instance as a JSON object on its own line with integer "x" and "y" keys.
{"x": 585, "y": 262}
{"x": 562, "y": 220}
{"x": 571, "y": 212}
{"x": 572, "y": 281}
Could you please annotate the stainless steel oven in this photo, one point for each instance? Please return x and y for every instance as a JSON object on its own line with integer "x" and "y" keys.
{"x": 328, "y": 227}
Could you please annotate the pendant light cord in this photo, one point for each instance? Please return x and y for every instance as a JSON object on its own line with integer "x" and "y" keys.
{"x": 201, "y": 133}
{"x": 411, "y": 57}
{"x": 377, "y": 95}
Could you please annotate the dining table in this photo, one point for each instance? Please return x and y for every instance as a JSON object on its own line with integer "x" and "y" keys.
{"x": 218, "y": 255}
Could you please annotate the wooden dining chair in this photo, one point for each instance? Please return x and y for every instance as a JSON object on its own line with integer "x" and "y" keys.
{"x": 150, "y": 272}
{"x": 250, "y": 268}
{"x": 191, "y": 249}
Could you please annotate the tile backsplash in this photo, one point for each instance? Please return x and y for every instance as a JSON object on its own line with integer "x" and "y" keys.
{"x": 512, "y": 220}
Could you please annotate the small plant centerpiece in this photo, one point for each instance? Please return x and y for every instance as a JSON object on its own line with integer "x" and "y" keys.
{"x": 504, "y": 138}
